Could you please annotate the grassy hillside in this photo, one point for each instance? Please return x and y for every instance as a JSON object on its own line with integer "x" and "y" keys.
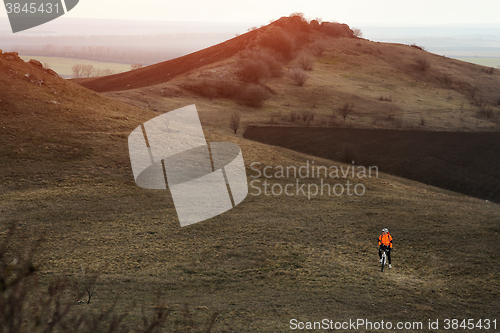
{"x": 66, "y": 179}
{"x": 386, "y": 85}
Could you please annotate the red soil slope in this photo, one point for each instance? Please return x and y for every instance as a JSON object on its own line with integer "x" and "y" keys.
{"x": 165, "y": 71}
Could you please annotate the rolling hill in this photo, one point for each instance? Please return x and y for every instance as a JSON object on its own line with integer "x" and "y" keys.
{"x": 388, "y": 85}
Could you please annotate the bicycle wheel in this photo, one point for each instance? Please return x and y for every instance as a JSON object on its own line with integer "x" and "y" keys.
{"x": 383, "y": 262}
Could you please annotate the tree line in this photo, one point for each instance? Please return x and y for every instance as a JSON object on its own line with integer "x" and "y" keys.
{"x": 97, "y": 53}
{"x": 81, "y": 70}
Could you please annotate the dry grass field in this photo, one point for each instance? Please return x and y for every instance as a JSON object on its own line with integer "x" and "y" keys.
{"x": 66, "y": 180}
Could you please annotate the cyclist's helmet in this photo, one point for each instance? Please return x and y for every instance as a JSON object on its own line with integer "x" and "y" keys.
{"x": 385, "y": 230}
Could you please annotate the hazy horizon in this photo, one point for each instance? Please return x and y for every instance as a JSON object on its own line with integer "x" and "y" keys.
{"x": 176, "y": 38}
{"x": 356, "y": 12}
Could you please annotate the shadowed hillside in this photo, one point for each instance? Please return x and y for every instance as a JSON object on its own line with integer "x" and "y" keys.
{"x": 462, "y": 162}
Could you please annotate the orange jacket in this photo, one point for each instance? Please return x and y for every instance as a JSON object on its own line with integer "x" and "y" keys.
{"x": 385, "y": 240}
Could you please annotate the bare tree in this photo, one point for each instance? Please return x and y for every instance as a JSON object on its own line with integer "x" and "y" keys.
{"x": 135, "y": 66}
{"x": 46, "y": 65}
{"x": 77, "y": 70}
{"x": 88, "y": 70}
{"x": 89, "y": 283}
{"x": 346, "y": 109}
{"x": 357, "y": 33}
{"x": 106, "y": 71}
{"x": 234, "y": 122}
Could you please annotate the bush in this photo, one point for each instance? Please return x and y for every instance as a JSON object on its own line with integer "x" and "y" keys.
{"x": 447, "y": 79}
{"x": 336, "y": 29}
{"x": 294, "y": 23}
{"x": 253, "y": 95}
{"x": 270, "y": 58}
{"x": 319, "y": 47}
{"x": 27, "y": 305}
{"x": 299, "y": 76}
{"x": 346, "y": 109}
{"x": 348, "y": 153}
{"x": 417, "y": 47}
{"x": 422, "y": 63}
{"x": 253, "y": 70}
{"x": 357, "y": 33}
{"x": 280, "y": 42}
{"x": 213, "y": 88}
{"x": 485, "y": 113}
{"x": 489, "y": 70}
{"x": 234, "y": 121}
{"x": 305, "y": 62}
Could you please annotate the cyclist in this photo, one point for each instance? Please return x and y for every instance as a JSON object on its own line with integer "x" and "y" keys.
{"x": 385, "y": 242}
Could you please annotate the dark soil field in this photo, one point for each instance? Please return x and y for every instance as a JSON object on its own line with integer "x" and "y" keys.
{"x": 462, "y": 162}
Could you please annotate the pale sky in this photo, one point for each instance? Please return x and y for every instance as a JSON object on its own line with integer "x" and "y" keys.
{"x": 352, "y": 12}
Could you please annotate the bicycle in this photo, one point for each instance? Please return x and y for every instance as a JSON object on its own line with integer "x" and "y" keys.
{"x": 384, "y": 258}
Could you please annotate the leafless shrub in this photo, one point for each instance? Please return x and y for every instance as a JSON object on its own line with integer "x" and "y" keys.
{"x": 498, "y": 100}
{"x": 253, "y": 95}
{"x": 489, "y": 70}
{"x": 135, "y": 66}
{"x": 253, "y": 70}
{"x": 28, "y": 307}
{"x": 348, "y": 153}
{"x": 418, "y": 47}
{"x": 397, "y": 122}
{"x": 294, "y": 116}
{"x": 305, "y": 62}
{"x": 385, "y": 99}
{"x": 422, "y": 63}
{"x": 46, "y": 65}
{"x": 308, "y": 116}
{"x": 447, "y": 79}
{"x": 357, "y": 33}
{"x": 234, "y": 121}
{"x": 485, "y": 113}
{"x": 346, "y": 109}
{"x": 422, "y": 121}
{"x": 479, "y": 100}
{"x": 106, "y": 72}
{"x": 472, "y": 92}
{"x": 213, "y": 88}
{"x": 298, "y": 76}
{"x": 280, "y": 42}
{"x": 89, "y": 282}
{"x": 318, "y": 48}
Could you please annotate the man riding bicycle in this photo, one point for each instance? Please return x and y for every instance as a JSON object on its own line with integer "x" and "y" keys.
{"x": 385, "y": 243}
